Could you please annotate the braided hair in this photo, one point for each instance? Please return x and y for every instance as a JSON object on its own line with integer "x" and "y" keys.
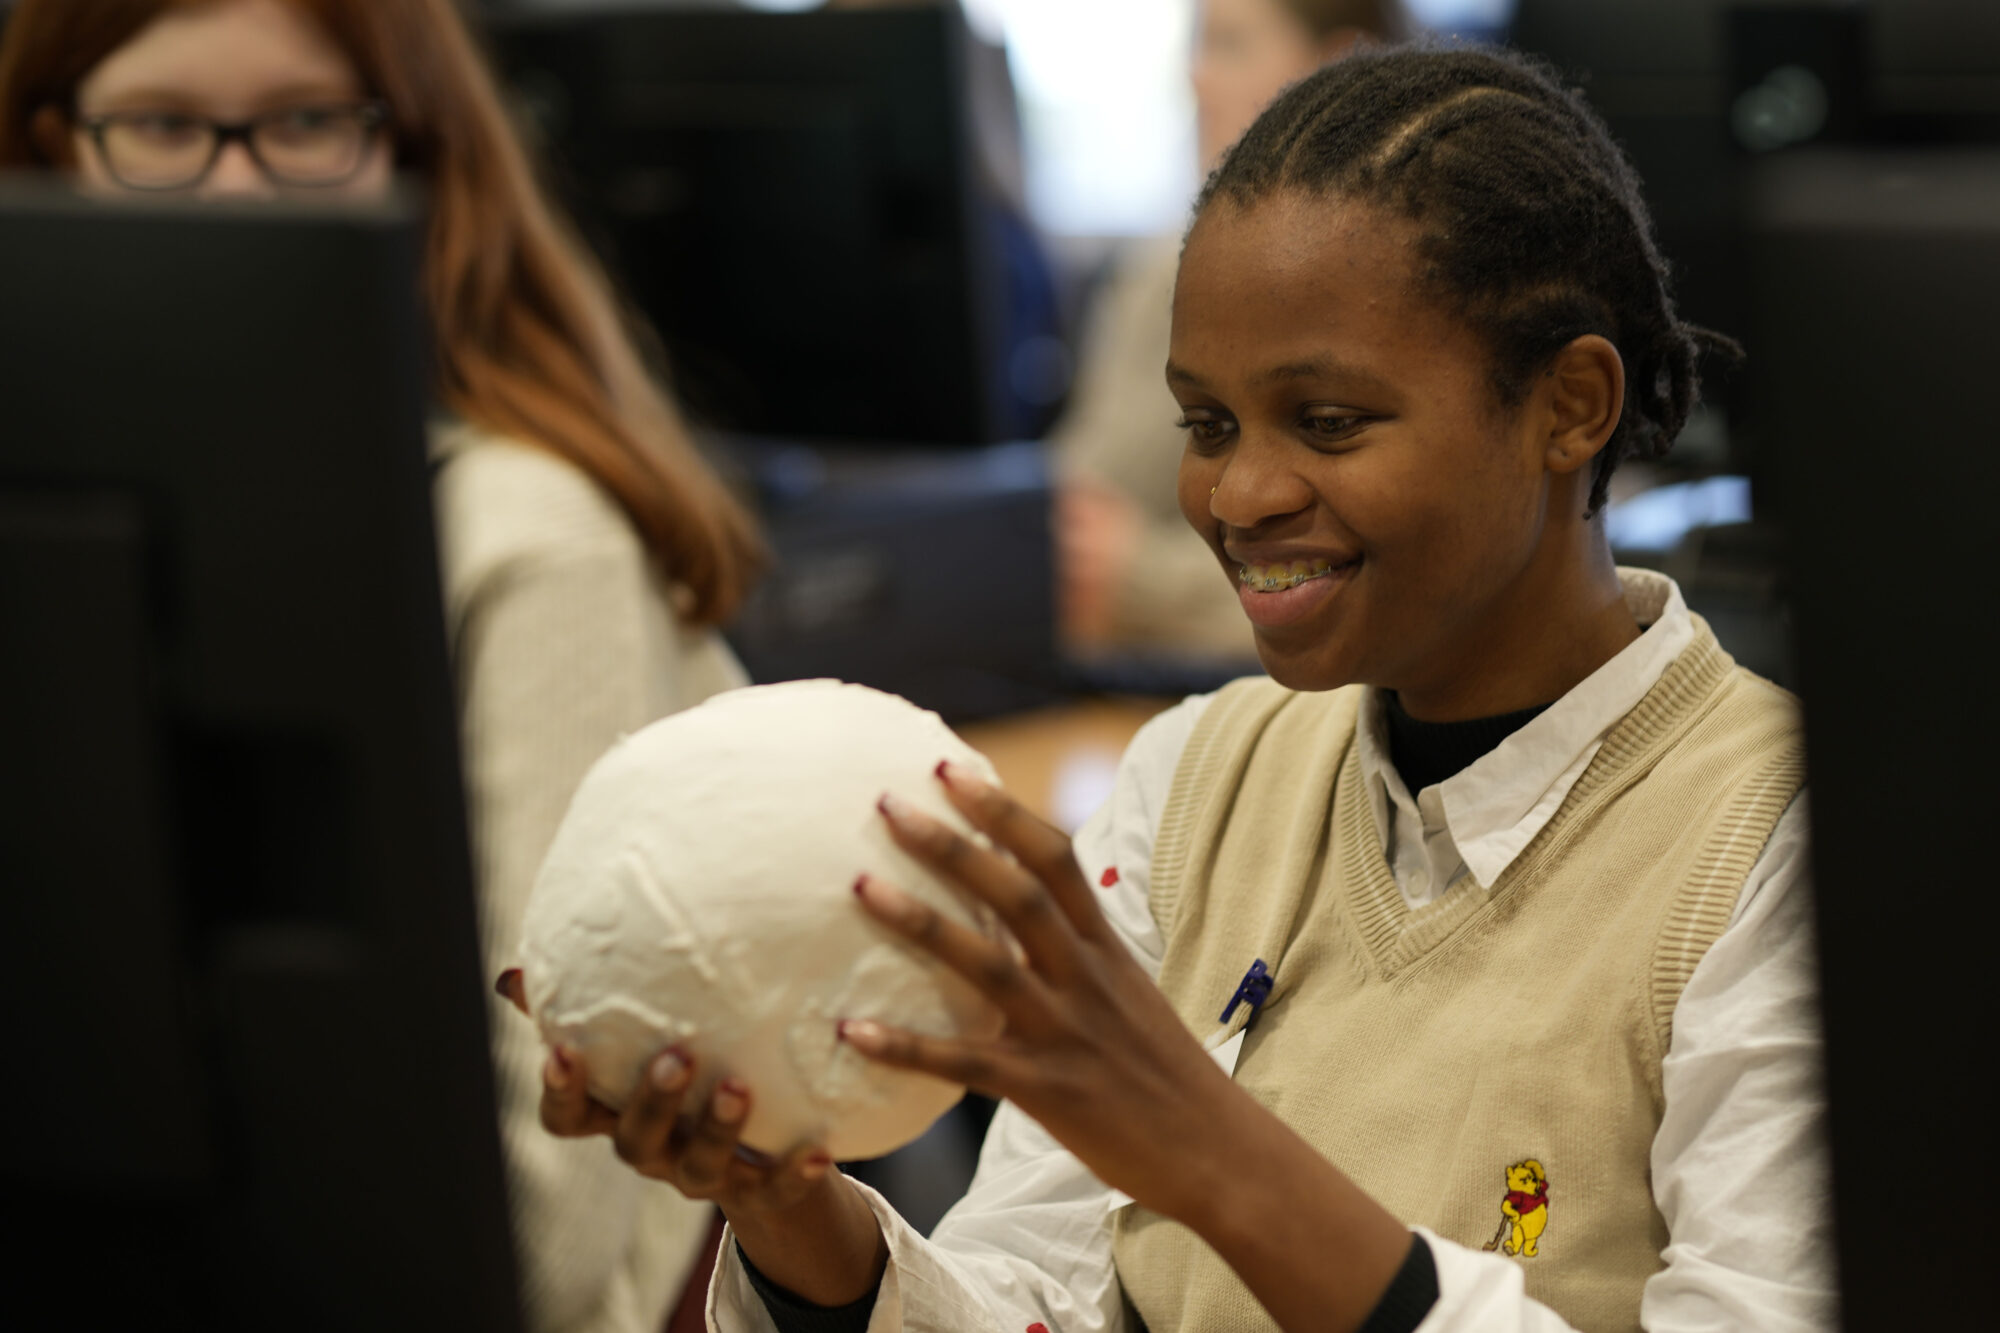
{"x": 1531, "y": 223}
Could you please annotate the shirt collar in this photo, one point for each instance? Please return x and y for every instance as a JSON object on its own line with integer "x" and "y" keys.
{"x": 1497, "y": 805}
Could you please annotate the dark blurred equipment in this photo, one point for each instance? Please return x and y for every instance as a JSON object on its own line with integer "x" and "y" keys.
{"x": 1934, "y": 71}
{"x": 1654, "y": 69}
{"x": 926, "y": 573}
{"x": 251, "y": 1082}
{"x": 1694, "y": 88}
{"x": 796, "y": 202}
{"x": 1877, "y": 275}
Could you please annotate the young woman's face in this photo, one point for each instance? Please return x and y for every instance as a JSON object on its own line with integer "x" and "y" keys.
{"x": 1344, "y": 437}
{"x": 232, "y": 62}
{"x": 1246, "y": 53}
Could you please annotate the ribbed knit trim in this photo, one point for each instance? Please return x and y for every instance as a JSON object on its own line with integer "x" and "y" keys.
{"x": 1395, "y": 936}
{"x": 1208, "y": 753}
{"x": 1701, "y": 911}
{"x": 1392, "y": 934}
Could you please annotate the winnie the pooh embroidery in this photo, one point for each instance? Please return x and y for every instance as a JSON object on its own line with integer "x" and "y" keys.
{"x": 1525, "y": 1210}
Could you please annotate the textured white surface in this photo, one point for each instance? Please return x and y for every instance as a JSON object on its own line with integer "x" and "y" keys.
{"x": 700, "y": 891}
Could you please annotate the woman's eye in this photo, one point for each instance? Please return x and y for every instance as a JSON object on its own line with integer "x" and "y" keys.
{"x": 1333, "y": 426}
{"x": 165, "y": 127}
{"x": 1206, "y": 432}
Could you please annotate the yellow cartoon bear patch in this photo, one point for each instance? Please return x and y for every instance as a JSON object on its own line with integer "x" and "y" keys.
{"x": 1525, "y": 1210}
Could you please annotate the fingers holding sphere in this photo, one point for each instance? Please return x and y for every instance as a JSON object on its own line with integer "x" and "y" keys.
{"x": 568, "y": 1109}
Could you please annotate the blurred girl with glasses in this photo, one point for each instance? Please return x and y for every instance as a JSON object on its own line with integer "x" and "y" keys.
{"x": 587, "y": 550}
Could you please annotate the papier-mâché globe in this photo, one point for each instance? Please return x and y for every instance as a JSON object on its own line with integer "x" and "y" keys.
{"x": 700, "y": 891}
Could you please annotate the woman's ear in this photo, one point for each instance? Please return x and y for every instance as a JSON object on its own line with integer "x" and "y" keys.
{"x": 1584, "y": 389}
{"x": 49, "y": 132}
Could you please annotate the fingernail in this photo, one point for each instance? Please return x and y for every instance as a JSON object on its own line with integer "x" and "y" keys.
{"x": 861, "y": 1034}
{"x": 896, "y": 809}
{"x": 668, "y": 1071}
{"x": 559, "y": 1069}
{"x": 961, "y": 777}
{"x": 886, "y": 901}
{"x": 815, "y": 1166}
{"x": 730, "y": 1101}
{"x": 505, "y": 984}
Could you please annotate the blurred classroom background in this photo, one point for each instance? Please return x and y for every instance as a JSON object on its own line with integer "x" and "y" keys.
{"x": 876, "y": 239}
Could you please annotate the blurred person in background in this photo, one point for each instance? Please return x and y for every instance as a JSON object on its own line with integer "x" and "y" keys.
{"x": 1132, "y": 578}
{"x": 587, "y": 551}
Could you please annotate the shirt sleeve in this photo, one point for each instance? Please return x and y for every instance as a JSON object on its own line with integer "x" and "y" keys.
{"x": 1031, "y": 1240}
{"x": 1739, "y": 1170}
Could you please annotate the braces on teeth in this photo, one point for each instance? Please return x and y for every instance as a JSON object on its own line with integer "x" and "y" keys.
{"x": 1271, "y": 578}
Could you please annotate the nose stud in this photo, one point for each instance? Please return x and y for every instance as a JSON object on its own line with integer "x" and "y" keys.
{"x": 1213, "y": 489}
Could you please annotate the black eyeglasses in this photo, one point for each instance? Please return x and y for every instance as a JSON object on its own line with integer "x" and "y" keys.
{"x": 301, "y": 145}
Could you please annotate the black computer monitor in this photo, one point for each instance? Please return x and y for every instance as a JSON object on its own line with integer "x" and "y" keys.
{"x": 794, "y": 201}
{"x": 1877, "y": 279}
{"x": 251, "y": 1084}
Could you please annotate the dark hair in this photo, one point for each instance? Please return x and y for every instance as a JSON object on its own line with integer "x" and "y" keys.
{"x": 1532, "y": 223}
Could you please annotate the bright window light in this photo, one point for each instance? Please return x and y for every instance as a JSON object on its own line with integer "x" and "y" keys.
{"x": 1106, "y": 112}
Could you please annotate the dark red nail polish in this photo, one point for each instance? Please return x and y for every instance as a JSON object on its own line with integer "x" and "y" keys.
{"x": 939, "y": 770}
{"x": 860, "y": 883}
{"x": 502, "y": 985}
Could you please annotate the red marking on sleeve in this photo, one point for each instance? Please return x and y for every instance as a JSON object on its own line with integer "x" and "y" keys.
{"x": 1107, "y": 879}
{"x": 1044, "y": 1328}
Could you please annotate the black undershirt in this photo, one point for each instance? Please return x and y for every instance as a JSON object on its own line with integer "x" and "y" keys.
{"x": 1424, "y": 753}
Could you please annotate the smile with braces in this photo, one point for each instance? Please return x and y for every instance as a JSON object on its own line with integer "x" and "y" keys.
{"x": 1276, "y": 578}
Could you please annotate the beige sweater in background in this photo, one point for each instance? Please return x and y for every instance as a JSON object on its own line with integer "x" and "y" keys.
{"x": 1118, "y": 431}
{"x": 564, "y": 638}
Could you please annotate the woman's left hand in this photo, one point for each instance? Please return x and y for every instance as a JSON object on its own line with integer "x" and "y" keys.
{"x": 1091, "y": 1048}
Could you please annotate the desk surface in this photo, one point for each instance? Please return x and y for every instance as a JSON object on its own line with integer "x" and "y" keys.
{"x": 1060, "y": 761}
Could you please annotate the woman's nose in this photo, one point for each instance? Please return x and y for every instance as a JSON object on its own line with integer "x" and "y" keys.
{"x": 236, "y": 175}
{"x": 1256, "y": 487}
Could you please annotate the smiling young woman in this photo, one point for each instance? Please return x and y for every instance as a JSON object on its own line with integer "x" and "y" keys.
{"x": 1445, "y": 536}
{"x": 1504, "y": 858}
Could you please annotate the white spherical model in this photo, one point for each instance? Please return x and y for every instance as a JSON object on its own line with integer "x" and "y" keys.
{"x": 700, "y": 891}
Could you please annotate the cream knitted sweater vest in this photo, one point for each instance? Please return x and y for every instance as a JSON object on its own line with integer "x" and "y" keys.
{"x": 1487, "y": 1066}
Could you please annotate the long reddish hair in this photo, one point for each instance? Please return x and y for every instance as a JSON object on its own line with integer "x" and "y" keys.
{"x": 531, "y": 342}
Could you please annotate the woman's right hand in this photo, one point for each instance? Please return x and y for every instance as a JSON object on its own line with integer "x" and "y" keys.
{"x": 658, "y": 1135}
{"x": 797, "y": 1217}
{"x": 696, "y": 1149}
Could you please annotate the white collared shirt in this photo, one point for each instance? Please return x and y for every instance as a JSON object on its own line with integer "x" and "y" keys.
{"x": 1738, "y": 1161}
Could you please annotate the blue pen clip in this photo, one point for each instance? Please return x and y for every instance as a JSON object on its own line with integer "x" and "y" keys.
{"x": 1254, "y": 989}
